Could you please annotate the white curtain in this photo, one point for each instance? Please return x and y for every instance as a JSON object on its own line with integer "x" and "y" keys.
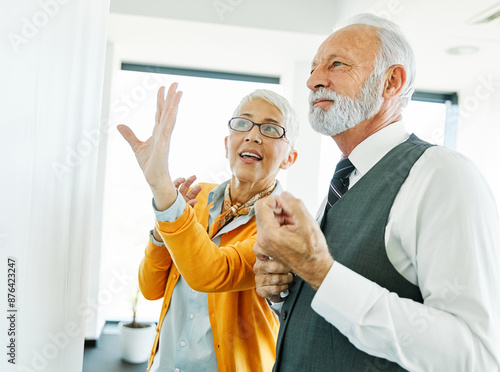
{"x": 52, "y": 55}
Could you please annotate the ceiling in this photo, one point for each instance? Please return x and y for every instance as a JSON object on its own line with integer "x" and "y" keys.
{"x": 198, "y": 28}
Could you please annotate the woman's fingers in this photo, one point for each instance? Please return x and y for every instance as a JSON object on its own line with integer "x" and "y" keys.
{"x": 184, "y": 188}
{"x": 183, "y": 185}
{"x": 167, "y": 121}
{"x": 170, "y": 99}
{"x": 160, "y": 101}
{"x": 193, "y": 193}
{"x": 164, "y": 104}
{"x": 192, "y": 202}
{"x": 179, "y": 181}
{"x": 152, "y": 154}
{"x": 129, "y": 136}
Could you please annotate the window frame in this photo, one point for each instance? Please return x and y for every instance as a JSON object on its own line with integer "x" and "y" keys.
{"x": 451, "y": 119}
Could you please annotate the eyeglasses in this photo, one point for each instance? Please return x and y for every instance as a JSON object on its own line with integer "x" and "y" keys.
{"x": 266, "y": 129}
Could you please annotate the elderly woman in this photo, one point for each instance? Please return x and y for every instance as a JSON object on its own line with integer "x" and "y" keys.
{"x": 200, "y": 259}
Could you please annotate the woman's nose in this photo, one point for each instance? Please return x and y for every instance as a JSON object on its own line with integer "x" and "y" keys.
{"x": 254, "y": 135}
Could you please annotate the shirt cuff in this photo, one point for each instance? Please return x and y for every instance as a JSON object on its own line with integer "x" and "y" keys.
{"x": 345, "y": 297}
{"x": 155, "y": 242}
{"x": 276, "y": 308}
{"x": 173, "y": 212}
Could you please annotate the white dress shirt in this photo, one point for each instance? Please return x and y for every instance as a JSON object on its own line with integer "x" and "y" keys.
{"x": 443, "y": 236}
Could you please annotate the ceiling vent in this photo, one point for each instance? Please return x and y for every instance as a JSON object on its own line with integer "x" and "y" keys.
{"x": 488, "y": 16}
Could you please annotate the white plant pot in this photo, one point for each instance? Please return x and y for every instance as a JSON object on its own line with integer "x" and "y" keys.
{"x": 136, "y": 343}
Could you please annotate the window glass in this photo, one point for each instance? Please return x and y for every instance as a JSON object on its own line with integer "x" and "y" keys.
{"x": 427, "y": 120}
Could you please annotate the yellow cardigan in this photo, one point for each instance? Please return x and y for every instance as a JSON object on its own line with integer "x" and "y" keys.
{"x": 243, "y": 326}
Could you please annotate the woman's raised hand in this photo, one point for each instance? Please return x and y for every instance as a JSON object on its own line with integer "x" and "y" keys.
{"x": 152, "y": 154}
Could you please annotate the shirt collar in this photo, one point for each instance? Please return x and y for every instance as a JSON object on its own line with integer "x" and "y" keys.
{"x": 372, "y": 149}
{"x": 217, "y": 193}
{"x": 217, "y": 196}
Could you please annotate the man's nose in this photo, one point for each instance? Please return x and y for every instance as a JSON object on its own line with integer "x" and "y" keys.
{"x": 319, "y": 79}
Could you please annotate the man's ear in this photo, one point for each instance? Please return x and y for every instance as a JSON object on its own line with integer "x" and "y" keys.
{"x": 290, "y": 159}
{"x": 395, "y": 79}
{"x": 225, "y": 145}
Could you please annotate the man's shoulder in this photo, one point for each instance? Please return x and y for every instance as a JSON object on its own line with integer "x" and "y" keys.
{"x": 438, "y": 157}
{"x": 441, "y": 166}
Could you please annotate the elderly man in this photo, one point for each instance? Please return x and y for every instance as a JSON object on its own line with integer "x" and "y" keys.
{"x": 402, "y": 272}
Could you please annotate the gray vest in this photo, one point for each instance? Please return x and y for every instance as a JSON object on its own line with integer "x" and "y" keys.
{"x": 306, "y": 341}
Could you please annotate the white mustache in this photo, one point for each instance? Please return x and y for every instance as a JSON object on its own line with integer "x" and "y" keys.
{"x": 323, "y": 93}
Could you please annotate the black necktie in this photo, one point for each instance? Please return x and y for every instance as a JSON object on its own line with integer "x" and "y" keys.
{"x": 339, "y": 182}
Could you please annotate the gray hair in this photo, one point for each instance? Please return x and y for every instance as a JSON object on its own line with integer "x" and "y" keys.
{"x": 290, "y": 121}
{"x": 394, "y": 49}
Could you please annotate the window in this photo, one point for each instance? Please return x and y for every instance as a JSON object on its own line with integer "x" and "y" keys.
{"x": 433, "y": 117}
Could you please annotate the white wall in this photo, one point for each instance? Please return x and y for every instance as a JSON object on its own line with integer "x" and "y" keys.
{"x": 479, "y": 127}
{"x": 285, "y": 15}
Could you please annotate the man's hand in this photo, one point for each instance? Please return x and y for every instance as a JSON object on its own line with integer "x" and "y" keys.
{"x": 288, "y": 233}
{"x": 271, "y": 277}
{"x": 189, "y": 195}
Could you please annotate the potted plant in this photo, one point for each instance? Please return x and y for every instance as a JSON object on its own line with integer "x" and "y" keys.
{"x": 136, "y": 338}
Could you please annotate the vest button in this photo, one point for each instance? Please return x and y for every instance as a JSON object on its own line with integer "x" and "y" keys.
{"x": 283, "y": 315}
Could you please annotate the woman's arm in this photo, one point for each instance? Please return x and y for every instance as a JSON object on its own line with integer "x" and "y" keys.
{"x": 204, "y": 265}
{"x": 155, "y": 266}
{"x": 153, "y": 271}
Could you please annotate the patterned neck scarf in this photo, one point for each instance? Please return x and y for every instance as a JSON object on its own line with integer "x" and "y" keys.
{"x": 231, "y": 210}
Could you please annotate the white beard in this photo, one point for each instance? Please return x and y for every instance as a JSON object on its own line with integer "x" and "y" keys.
{"x": 345, "y": 112}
